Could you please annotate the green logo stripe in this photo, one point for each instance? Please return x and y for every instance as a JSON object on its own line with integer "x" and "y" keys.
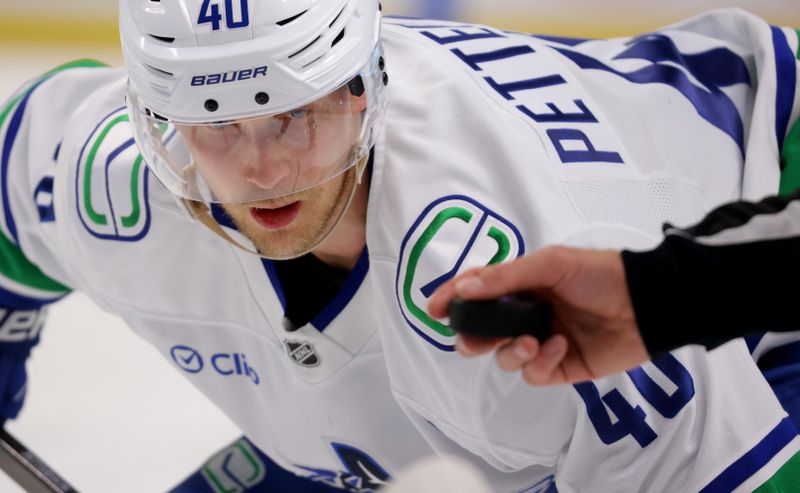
{"x": 503, "y": 245}
{"x": 131, "y": 220}
{"x": 785, "y": 480}
{"x": 97, "y": 218}
{"x": 413, "y": 260}
{"x": 218, "y": 486}
{"x": 217, "y": 464}
{"x": 798, "y": 43}
{"x": 252, "y": 461}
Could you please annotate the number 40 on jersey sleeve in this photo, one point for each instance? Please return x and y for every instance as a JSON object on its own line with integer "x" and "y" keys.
{"x": 631, "y": 420}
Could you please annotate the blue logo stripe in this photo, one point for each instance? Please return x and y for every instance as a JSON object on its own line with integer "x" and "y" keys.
{"x": 119, "y": 150}
{"x": 786, "y": 66}
{"x": 755, "y": 459}
{"x": 79, "y": 167}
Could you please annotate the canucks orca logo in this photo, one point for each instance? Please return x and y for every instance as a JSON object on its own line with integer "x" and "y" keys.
{"x": 362, "y": 473}
{"x": 452, "y": 235}
{"x": 111, "y": 183}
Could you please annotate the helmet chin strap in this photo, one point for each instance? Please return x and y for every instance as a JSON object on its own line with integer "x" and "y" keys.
{"x": 202, "y": 213}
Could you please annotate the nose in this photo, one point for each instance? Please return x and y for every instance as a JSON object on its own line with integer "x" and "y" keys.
{"x": 267, "y": 173}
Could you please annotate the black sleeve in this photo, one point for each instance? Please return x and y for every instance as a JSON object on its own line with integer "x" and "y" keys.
{"x": 733, "y": 274}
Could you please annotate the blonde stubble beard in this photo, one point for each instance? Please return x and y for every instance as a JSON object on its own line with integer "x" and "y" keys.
{"x": 321, "y": 210}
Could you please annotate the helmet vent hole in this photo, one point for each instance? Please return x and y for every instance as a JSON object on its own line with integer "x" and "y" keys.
{"x": 155, "y": 116}
{"x": 304, "y": 48}
{"x": 312, "y": 62}
{"x": 163, "y": 39}
{"x": 163, "y": 90}
{"x": 336, "y": 18}
{"x": 211, "y": 105}
{"x": 160, "y": 73}
{"x": 338, "y": 38}
{"x": 290, "y": 19}
{"x": 262, "y": 98}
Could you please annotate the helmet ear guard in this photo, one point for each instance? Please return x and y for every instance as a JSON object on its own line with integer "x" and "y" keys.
{"x": 356, "y": 86}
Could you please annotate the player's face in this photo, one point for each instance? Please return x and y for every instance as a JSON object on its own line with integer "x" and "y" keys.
{"x": 292, "y": 162}
{"x": 274, "y": 156}
{"x": 289, "y": 226}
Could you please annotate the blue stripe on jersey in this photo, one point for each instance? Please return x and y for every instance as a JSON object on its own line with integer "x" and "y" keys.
{"x": 351, "y": 285}
{"x": 780, "y": 356}
{"x": 752, "y": 342}
{"x": 222, "y": 217}
{"x": 786, "y": 66}
{"x": 738, "y": 472}
{"x": 275, "y": 280}
{"x": 17, "y": 301}
{"x": 8, "y": 144}
{"x": 273, "y": 478}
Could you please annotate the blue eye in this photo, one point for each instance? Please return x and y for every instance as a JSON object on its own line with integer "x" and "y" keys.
{"x": 299, "y": 113}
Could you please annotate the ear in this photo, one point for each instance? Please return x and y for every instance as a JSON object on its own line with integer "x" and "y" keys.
{"x": 359, "y": 103}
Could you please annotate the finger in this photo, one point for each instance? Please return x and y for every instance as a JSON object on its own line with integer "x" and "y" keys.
{"x": 470, "y": 346}
{"x": 541, "y": 270}
{"x": 514, "y": 356}
{"x": 545, "y": 369}
{"x": 439, "y": 302}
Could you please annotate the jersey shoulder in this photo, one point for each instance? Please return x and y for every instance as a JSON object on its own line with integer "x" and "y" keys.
{"x": 73, "y": 174}
{"x": 34, "y": 124}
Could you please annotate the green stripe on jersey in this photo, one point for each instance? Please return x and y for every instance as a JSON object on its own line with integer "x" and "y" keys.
{"x": 15, "y": 266}
{"x": 785, "y": 480}
{"x": 790, "y": 161}
{"x": 13, "y": 263}
{"x": 798, "y": 43}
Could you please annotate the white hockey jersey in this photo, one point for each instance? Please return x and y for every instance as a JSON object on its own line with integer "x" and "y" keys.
{"x": 495, "y": 144}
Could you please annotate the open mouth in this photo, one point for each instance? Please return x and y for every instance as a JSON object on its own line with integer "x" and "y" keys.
{"x": 278, "y": 217}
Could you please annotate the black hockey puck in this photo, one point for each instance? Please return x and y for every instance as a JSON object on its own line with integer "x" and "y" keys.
{"x": 504, "y": 317}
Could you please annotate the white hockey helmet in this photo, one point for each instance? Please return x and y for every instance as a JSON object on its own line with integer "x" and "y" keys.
{"x": 220, "y": 88}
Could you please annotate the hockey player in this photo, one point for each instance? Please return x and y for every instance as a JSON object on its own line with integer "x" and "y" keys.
{"x": 271, "y": 190}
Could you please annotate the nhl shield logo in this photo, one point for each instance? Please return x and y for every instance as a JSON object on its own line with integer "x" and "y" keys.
{"x": 302, "y": 353}
{"x": 452, "y": 235}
